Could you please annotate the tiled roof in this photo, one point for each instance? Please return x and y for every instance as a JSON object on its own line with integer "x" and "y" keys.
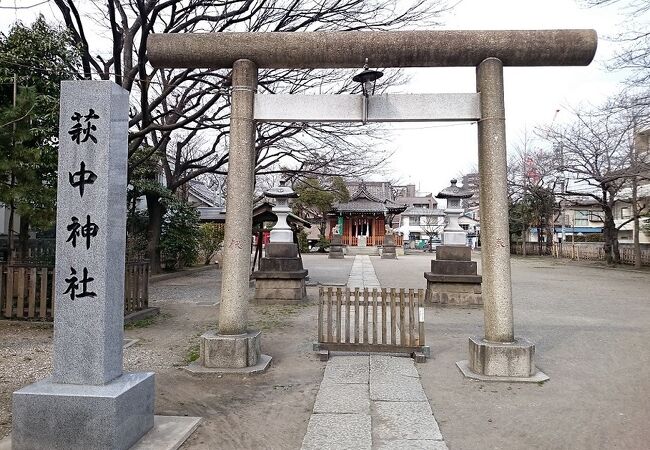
{"x": 365, "y": 201}
{"x": 413, "y": 211}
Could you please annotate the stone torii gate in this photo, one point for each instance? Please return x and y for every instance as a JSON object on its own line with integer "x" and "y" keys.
{"x": 499, "y": 355}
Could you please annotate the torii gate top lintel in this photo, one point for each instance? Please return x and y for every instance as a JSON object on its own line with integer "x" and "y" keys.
{"x": 439, "y": 48}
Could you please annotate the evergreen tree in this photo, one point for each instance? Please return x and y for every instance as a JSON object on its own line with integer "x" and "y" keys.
{"x": 34, "y": 60}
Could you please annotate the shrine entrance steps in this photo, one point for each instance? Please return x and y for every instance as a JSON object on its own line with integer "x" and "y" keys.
{"x": 353, "y": 251}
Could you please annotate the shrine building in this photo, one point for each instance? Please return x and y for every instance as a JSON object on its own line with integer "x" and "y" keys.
{"x": 362, "y": 220}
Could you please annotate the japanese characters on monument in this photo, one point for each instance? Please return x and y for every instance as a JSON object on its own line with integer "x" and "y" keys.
{"x": 91, "y": 221}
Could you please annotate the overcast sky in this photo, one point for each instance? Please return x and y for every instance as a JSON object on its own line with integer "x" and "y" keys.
{"x": 428, "y": 155}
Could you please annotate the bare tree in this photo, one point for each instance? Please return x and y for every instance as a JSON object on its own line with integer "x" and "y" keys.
{"x": 533, "y": 176}
{"x": 596, "y": 150}
{"x": 172, "y": 109}
{"x": 634, "y": 36}
{"x": 432, "y": 228}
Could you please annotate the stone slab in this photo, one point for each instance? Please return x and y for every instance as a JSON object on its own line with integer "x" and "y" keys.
{"x": 450, "y": 267}
{"x": 69, "y": 416}
{"x": 514, "y": 359}
{"x": 537, "y": 377}
{"x": 168, "y": 433}
{"x": 412, "y": 444}
{"x": 468, "y": 279}
{"x": 398, "y": 390}
{"x": 263, "y": 363}
{"x": 450, "y": 298}
{"x": 388, "y": 367}
{"x": 394, "y": 378}
{"x": 277, "y": 264}
{"x": 454, "y": 252}
{"x": 404, "y": 420}
{"x": 280, "y": 275}
{"x": 230, "y": 351}
{"x": 342, "y": 399}
{"x": 338, "y": 431}
{"x": 347, "y": 369}
{"x": 281, "y": 250}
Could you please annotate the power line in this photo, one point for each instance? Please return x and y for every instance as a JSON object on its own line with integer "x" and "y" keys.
{"x": 25, "y": 7}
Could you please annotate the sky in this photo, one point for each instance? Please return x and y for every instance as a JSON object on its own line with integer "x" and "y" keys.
{"x": 430, "y": 154}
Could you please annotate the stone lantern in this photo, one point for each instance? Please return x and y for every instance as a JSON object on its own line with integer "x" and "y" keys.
{"x": 453, "y": 279}
{"x": 281, "y": 278}
{"x": 453, "y": 234}
{"x": 281, "y": 232}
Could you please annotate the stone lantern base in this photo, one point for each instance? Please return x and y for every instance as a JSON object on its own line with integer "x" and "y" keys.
{"x": 281, "y": 278}
{"x": 453, "y": 279}
{"x": 336, "y": 248}
{"x": 390, "y": 250}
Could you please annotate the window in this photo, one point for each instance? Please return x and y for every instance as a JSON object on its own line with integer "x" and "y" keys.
{"x": 625, "y": 212}
{"x": 581, "y": 218}
{"x": 464, "y": 226}
{"x": 414, "y": 221}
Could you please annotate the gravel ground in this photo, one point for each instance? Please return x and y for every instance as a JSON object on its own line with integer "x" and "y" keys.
{"x": 590, "y": 326}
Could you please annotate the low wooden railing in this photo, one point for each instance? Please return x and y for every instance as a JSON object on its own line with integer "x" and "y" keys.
{"x": 371, "y": 241}
{"x": 26, "y": 291}
{"x": 383, "y": 320}
{"x": 136, "y": 286}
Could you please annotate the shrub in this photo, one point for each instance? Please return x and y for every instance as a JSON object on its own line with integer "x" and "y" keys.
{"x": 210, "y": 239}
{"x": 323, "y": 243}
{"x": 303, "y": 243}
{"x": 179, "y": 240}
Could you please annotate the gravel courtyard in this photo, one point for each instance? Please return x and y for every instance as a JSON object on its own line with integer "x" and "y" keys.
{"x": 591, "y": 326}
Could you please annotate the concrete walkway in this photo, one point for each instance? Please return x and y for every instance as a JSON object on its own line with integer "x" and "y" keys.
{"x": 363, "y": 274}
{"x": 372, "y": 402}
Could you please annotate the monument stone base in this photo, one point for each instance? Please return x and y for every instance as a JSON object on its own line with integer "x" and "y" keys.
{"x": 497, "y": 361}
{"x": 224, "y": 353}
{"x": 453, "y": 279}
{"x": 73, "y": 416}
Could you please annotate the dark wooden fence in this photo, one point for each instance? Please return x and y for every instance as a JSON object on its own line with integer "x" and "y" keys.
{"x": 385, "y": 320}
{"x": 26, "y": 290}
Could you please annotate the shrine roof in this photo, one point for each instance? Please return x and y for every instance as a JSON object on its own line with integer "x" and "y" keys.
{"x": 363, "y": 201}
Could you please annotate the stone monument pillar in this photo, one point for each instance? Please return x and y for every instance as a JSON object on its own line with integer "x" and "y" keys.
{"x": 235, "y": 348}
{"x": 499, "y": 355}
{"x": 453, "y": 279}
{"x": 281, "y": 278}
{"x": 88, "y": 402}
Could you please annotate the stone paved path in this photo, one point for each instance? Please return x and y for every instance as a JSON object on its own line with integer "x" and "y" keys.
{"x": 372, "y": 402}
{"x": 363, "y": 273}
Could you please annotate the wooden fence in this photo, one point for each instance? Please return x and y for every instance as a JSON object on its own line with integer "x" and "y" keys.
{"x": 583, "y": 251}
{"x": 383, "y": 320}
{"x": 371, "y": 241}
{"x": 596, "y": 253}
{"x": 26, "y": 292}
